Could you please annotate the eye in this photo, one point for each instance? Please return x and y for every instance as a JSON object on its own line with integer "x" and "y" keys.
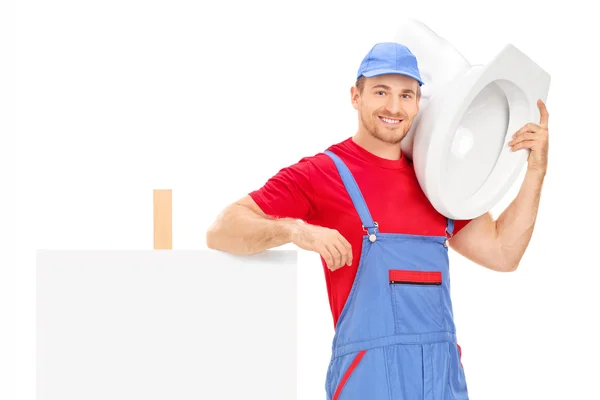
{"x": 407, "y": 96}
{"x": 381, "y": 92}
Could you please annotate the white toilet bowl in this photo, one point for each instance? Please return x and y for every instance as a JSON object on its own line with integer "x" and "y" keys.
{"x": 468, "y": 114}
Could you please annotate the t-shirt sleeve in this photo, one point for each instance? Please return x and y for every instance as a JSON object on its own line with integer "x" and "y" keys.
{"x": 289, "y": 193}
{"x": 459, "y": 224}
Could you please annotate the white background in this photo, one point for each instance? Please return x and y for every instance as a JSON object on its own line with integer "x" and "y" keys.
{"x": 117, "y": 98}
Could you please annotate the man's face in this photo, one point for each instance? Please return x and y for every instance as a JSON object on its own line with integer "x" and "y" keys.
{"x": 387, "y": 106}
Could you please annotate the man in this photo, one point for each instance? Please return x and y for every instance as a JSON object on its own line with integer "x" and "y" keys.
{"x": 383, "y": 245}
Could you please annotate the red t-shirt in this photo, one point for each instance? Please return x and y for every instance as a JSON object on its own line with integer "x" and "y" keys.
{"x": 312, "y": 190}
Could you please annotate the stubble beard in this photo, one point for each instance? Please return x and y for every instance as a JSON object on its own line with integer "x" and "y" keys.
{"x": 391, "y": 136}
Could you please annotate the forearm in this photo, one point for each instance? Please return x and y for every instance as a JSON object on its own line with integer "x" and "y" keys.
{"x": 239, "y": 230}
{"x": 515, "y": 225}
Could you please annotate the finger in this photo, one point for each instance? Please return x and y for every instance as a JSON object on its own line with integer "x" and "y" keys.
{"x": 524, "y": 136}
{"x": 336, "y": 254}
{"x": 543, "y": 113}
{"x": 530, "y": 127}
{"x": 339, "y": 247}
{"x": 347, "y": 249}
{"x": 347, "y": 260}
{"x": 327, "y": 257}
{"x": 540, "y": 135}
{"x": 526, "y": 144}
{"x": 343, "y": 253}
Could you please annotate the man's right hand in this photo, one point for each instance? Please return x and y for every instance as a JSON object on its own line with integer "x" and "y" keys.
{"x": 329, "y": 243}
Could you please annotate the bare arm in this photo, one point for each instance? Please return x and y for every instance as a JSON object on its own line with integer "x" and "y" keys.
{"x": 243, "y": 228}
{"x": 500, "y": 245}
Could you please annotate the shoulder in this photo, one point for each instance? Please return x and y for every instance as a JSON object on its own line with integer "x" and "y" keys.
{"x": 308, "y": 171}
{"x": 344, "y": 150}
{"x": 321, "y": 161}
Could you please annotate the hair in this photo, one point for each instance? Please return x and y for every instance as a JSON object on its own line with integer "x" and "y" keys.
{"x": 360, "y": 85}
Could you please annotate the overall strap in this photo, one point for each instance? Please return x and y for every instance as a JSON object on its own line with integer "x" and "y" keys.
{"x": 449, "y": 226}
{"x": 355, "y": 194}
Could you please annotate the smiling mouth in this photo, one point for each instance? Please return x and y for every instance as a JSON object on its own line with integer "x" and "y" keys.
{"x": 390, "y": 121}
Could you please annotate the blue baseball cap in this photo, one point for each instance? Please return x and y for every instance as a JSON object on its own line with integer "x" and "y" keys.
{"x": 390, "y": 58}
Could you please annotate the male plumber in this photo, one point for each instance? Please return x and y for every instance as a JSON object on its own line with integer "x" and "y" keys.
{"x": 383, "y": 246}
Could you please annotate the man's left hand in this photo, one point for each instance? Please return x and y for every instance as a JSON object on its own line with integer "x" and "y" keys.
{"x": 535, "y": 138}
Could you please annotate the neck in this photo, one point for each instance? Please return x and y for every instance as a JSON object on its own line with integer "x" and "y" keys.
{"x": 377, "y": 147}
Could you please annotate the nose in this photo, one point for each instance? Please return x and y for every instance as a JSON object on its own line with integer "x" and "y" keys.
{"x": 393, "y": 105}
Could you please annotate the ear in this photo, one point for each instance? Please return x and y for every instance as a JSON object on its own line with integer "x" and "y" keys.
{"x": 354, "y": 97}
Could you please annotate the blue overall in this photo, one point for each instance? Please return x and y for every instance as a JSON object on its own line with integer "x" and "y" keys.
{"x": 395, "y": 338}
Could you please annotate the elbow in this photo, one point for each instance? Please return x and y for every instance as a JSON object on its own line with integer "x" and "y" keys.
{"x": 510, "y": 267}
{"x": 509, "y": 259}
{"x": 219, "y": 238}
{"x": 217, "y": 231}
{"x": 212, "y": 237}
{"x": 502, "y": 264}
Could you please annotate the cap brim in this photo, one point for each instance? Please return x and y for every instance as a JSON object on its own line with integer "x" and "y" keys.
{"x": 378, "y": 72}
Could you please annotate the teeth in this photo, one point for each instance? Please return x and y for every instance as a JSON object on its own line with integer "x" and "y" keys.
{"x": 390, "y": 121}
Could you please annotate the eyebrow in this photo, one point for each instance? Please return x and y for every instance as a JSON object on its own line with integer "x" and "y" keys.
{"x": 386, "y": 87}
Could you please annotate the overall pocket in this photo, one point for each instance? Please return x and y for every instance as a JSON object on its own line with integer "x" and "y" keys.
{"x": 416, "y": 300}
{"x": 360, "y": 375}
{"x": 356, "y": 359}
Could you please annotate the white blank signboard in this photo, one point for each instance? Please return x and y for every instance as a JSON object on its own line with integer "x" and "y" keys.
{"x": 166, "y": 324}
